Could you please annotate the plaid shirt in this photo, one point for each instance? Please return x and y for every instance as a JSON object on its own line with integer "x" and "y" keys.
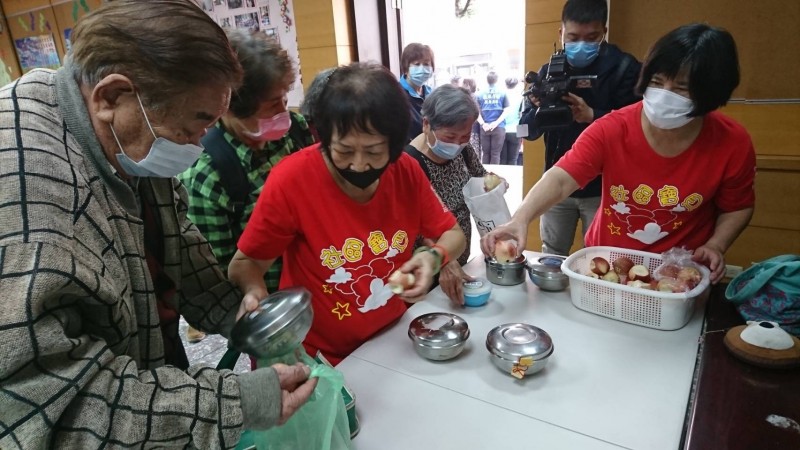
{"x": 82, "y": 351}
{"x": 210, "y": 206}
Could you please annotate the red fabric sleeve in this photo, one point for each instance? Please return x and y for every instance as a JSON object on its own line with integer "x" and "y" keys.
{"x": 584, "y": 161}
{"x": 736, "y": 191}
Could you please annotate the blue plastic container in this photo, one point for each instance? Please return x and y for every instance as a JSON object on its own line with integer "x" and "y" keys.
{"x": 477, "y": 292}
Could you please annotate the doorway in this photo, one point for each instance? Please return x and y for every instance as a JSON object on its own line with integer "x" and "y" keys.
{"x": 468, "y": 38}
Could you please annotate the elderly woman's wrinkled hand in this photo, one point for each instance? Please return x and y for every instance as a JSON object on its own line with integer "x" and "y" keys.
{"x": 451, "y": 279}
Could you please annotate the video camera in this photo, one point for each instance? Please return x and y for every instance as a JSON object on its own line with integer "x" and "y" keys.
{"x": 553, "y": 112}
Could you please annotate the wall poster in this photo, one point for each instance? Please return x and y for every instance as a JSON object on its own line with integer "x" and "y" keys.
{"x": 272, "y": 17}
{"x": 37, "y": 51}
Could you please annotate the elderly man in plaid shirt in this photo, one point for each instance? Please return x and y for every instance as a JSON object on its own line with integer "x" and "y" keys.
{"x": 97, "y": 256}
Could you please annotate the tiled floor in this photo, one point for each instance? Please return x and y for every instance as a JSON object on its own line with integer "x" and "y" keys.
{"x": 210, "y": 350}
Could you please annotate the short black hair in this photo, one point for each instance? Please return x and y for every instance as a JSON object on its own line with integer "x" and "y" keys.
{"x": 709, "y": 56}
{"x": 511, "y": 82}
{"x": 364, "y": 97}
{"x": 585, "y": 11}
{"x": 266, "y": 65}
{"x": 491, "y": 77}
{"x": 311, "y": 95}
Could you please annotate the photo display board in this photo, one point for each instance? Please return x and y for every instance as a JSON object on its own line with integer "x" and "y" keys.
{"x": 273, "y": 17}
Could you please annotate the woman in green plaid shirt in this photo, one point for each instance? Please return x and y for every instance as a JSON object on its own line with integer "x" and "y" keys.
{"x": 255, "y": 133}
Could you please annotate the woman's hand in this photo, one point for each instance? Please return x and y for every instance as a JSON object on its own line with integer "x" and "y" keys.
{"x": 451, "y": 279}
{"x": 421, "y": 266}
{"x": 251, "y": 300}
{"x": 248, "y": 275}
{"x": 510, "y": 231}
{"x": 728, "y": 227}
{"x": 713, "y": 258}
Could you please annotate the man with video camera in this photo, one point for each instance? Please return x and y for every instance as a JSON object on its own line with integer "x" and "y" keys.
{"x": 586, "y": 81}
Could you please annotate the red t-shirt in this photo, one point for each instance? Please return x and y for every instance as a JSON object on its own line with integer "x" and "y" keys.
{"x": 340, "y": 250}
{"x": 653, "y": 203}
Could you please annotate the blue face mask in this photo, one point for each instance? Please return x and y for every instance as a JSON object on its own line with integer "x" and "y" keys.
{"x": 165, "y": 159}
{"x": 420, "y": 74}
{"x": 580, "y": 54}
{"x": 446, "y": 150}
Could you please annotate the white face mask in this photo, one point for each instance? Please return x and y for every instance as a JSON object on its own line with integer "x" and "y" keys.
{"x": 166, "y": 159}
{"x": 665, "y": 109}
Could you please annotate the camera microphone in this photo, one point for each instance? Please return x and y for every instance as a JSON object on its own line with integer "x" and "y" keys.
{"x": 532, "y": 79}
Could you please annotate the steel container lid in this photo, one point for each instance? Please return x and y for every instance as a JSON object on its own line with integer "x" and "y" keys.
{"x": 514, "y": 340}
{"x": 547, "y": 271}
{"x": 551, "y": 260}
{"x": 438, "y": 330}
{"x": 284, "y": 309}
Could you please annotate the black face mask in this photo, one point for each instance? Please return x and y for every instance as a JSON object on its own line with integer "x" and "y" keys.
{"x": 361, "y": 180}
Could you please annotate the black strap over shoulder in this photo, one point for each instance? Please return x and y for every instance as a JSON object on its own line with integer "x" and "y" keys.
{"x": 299, "y": 136}
{"x": 416, "y": 154}
{"x": 231, "y": 173}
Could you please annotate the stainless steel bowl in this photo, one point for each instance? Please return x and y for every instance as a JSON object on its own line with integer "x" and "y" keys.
{"x": 548, "y": 277}
{"x": 506, "y": 274}
{"x": 277, "y": 326}
{"x": 438, "y": 336}
{"x": 519, "y": 346}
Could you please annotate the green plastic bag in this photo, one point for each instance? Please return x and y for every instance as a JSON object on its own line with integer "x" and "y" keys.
{"x": 328, "y": 377}
{"x": 320, "y": 424}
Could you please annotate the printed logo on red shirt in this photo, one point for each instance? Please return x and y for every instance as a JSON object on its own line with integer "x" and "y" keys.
{"x": 363, "y": 284}
{"x": 646, "y": 222}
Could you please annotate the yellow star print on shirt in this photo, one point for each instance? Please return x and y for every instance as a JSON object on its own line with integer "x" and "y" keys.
{"x": 677, "y": 225}
{"x": 614, "y": 229}
{"x": 607, "y": 211}
{"x": 342, "y": 310}
{"x": 327, "y": 289}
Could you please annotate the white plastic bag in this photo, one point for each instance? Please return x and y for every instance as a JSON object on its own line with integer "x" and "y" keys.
{"x": 489, "y": 209}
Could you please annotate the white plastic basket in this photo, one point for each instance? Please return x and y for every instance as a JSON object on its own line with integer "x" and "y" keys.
{"x": 654, "y": 309}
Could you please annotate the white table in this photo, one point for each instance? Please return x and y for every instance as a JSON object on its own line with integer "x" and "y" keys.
{"x": 608, "y": 384}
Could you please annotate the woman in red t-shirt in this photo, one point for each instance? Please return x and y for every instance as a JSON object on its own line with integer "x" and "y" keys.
{"x": 675, "y": 171}
{"x": 344, "y": 214}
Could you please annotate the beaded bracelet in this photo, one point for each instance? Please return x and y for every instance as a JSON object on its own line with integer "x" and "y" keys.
{"x": 444, "y": 254}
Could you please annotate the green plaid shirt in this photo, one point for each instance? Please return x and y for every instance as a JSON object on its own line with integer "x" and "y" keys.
{"x": 210, "y": 207}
